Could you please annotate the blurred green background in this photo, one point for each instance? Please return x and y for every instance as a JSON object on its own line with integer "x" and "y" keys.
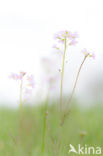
{"x": 21, "y": 135}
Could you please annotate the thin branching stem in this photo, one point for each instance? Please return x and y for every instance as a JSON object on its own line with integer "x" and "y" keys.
{"x": 74, "y": 87}
{"x": 76, "y": 80}
{"x": 69, "y": 101}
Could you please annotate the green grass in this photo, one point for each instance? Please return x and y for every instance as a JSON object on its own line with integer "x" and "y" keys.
{"x": 23, "y": 137}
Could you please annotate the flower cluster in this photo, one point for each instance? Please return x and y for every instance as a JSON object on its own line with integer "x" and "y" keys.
{"x": 30, "y": 79}
{"x": 87, "y": 53}
{"x": 18, "y": 76}
{"x": 67, "y": 36}
{"x": 27, "y": 82}
{"x": 70, "y": 39}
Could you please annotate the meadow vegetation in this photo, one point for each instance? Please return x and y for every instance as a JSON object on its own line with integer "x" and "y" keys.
{"x": 82, "y": 126}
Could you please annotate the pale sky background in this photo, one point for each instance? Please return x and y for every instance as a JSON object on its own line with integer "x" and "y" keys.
{"x": 26, "y": 35}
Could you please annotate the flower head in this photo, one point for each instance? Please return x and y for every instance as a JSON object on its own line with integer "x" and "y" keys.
{"x": 14, "y": 76}
{"x": 26, "y": 83}
{"x": 74, "y": 35}
{"x": 73, "y": 42}
{"x": 18, "y": 76}
{"x": 27, "y": 94}
{"x": 22, "y": 73}
{"x": 92, "y": 55}
{"x": 67, "y": 36}
{"x": 31, "y": 81}
{"x": 55, "y": 46}
{"x": 87, "y": 53}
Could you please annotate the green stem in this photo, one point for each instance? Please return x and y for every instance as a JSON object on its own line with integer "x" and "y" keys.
{"x": 20, "y": 112}
{"x": 20, "y": 104}
{"x": 62, "y": 75}
{"x": 73, "y": 90}
{"x": 61, "y": 96}
{"x": 44, "y": 127}
{"x": 76, "y": 80}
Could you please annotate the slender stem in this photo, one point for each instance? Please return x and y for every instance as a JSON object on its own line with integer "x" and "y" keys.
{"x": 20, "y": 112}
{"x": 20, "y": 104}
{"x": 58, "y": 140}
{"x": 75, "y": 83}
{"x": 61, "y": 96}
{"x": 44, "y": 127}
{"x": 70, "y": 99}
{"x": 62, "y": 75}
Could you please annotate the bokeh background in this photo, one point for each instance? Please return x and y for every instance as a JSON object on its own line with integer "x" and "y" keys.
{"x": 26, "y": 36}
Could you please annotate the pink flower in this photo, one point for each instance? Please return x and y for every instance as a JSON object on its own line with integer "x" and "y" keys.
{"x": 56, "y": 36}
{"x": 17, "y": 76}
{"x": 74, "y": 35}
{"x": 21, "y": 75}
{"x": 28, "y": 91}
{"x": 27, "y": 88}
{"x": 87, "y": 53}
{"x": 61, "y": 40}
{"x": 14, "y": 76}
{"x": 27, "y": 94}
{"x": 66, "y": 35}
{"x": 60, "y": 35}
{"x": 54, "y": 46}
{"x": 92, "y": 55}
{"x": 31, "y": 81}
{"x": 73, "y": 42}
